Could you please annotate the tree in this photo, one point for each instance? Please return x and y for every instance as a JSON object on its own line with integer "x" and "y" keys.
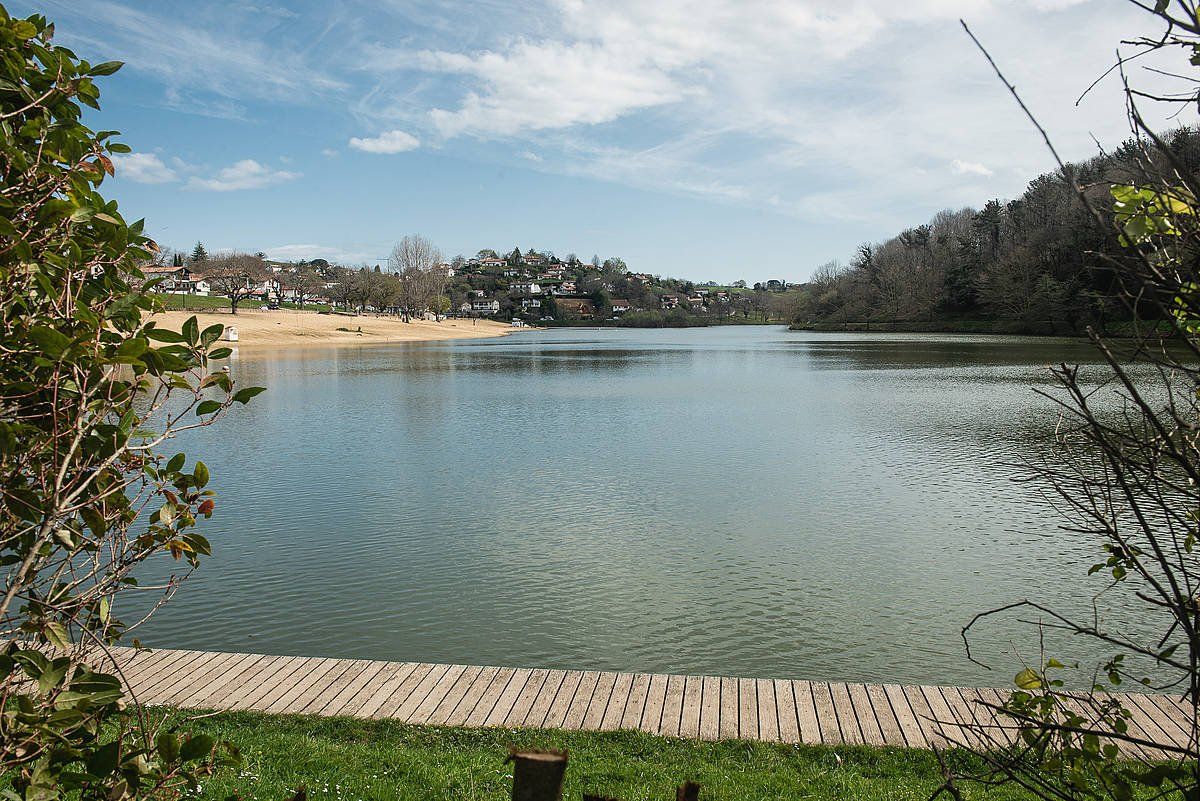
{"x": 237, "y": 276}
{"x": 177, "y": 259}
{"x": 1125, "y": 471}
{"x": 514, "y": 258}
{"x": 303, "y": 281}
{"x": 90, "y": 389}
{"x": 417, "y": 261}
{"x": 199, "y": 254}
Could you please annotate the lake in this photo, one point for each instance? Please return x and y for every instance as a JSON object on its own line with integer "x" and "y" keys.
{"x": 741, "y": 500}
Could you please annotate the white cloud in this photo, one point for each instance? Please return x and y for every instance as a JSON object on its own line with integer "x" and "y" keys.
{"x": 548, "y": 85}
{"x": 776, "y": 103}
{"x": 396, "y": 141}
{"x": 330, "y": 153}
{"x": 961, "y": 167}
{"x": 307, "y": 252}
{"x": 245, "y": 174}
{"x": 143, "y": 168}
{"x": 529, "y": 155}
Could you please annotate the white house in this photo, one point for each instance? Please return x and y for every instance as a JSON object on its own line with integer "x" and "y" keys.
{"x": 527, "y": 289}
{"x": 485, "y": 305}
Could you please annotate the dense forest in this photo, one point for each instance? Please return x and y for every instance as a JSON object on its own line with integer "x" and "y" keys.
{"x": 1032, "y": 265}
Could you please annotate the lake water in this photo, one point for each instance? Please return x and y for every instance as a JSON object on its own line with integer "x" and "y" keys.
{"x": 743, "y": 500}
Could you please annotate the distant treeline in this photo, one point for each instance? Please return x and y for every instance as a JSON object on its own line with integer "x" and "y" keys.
{"x": 1031, "y": 265}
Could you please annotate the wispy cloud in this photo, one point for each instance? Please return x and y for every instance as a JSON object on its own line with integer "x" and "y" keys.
{"x": 143, "y": 168}
{"x": 308, "y": 251}
{"x": 396, "y": 141}
{"x": 245, "y": 174}
{"x": 961, "y": 167}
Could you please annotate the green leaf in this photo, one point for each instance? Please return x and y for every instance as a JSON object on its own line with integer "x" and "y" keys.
{"x": 52, "y": 343}
{"x": 176, "y": 463}
{"x": 197, "y": 746}
{"x": 1028, "y": 679}
{"x": 244, "y": 394}
{"x": 191, "y": 330}
{"x": 58, "y": 636}
{"x": 167, "y": 744}
{"x": 104, "y": 760}
{"x": 200, "y": 474}
{"x": 163, "y": 335}
{"x": 220, "y": 353}
{"x": 207, "y": 407}
{"x": 107, "y": 68}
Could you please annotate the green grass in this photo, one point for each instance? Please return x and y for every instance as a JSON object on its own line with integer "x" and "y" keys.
{"x": 174, "y": 302}
{"x": 340, "y": 759}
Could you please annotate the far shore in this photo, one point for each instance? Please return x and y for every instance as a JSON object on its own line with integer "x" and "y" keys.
{"x": 288, "y": 329}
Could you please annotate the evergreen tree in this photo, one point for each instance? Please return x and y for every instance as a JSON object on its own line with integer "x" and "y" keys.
{"x": 199, "y": 254}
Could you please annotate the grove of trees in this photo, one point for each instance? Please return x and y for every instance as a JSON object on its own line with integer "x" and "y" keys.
{"x": 1028, "y": 265}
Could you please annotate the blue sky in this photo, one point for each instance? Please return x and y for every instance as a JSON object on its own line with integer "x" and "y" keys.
{"x": 709, "y": 139}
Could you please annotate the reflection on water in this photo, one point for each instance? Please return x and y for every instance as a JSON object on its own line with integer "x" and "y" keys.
{"x": 747, "y": 501}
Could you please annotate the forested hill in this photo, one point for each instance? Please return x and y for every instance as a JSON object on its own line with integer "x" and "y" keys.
{"x": 1028, "y": 265}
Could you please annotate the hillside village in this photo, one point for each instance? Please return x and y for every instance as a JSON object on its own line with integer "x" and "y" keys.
{"x": 529, "y": 286}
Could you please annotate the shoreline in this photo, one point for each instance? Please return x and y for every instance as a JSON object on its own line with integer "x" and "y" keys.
{"x": 285, "y": 328}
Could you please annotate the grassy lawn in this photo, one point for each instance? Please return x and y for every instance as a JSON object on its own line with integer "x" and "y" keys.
{"x": 355, "y": 760}
{"x": 173, "y": 302}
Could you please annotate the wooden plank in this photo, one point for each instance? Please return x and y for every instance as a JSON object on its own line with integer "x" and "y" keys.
{"x": 419, "y": 712}
{"x": 520, "y": 708}
{"x": 729, "y": 708}
{"x": 315, "y": 686}
{"x": 251, "y": 680}
{"x": 806, "y": 712}
{"x": 449, "y": 700}
{"x": 379, "y": 703}
{"x": 672, "y": 706}
{"x": 268, "y": 682}
{"x": 191, "y": 672}
{"x": 141, "y": 663}
{"x": 656, "y": 698}
{"x": 785, "y": 704}
{"x": 504, "y": 703}
{"x": 889, "y": 726}
{"x": 556, "y": 715}
{"x": 636, "y": 704}
{"x": 864, "y": 711}
{"x": 925, "y": 716}
{"x": 710, "y": 708}
{"x": 573, "y": 719}
{"x": 615, "y": 712}
{"x": 485, "y": 702}
{"x": 209, "y": 697}
{"x": 967, "y": 731}
{"x": 827, "y": 719}
{"x": 906, "y": 716}
{"x": 158, "y": 668}
{"x": 747, "y": 709}
{"x": 1174, "y": 717}
{"x": 284, "y": 694}
{"x": 452, "y": 699}
{"x": 352, "y": 692}
{"x": 768, "y": 714}
{"x": 689, "y": 713}
{"x": 308, "y": 685}
{"x": 188, "y": 695}
{"x": 843, "y": 707}
{"x": 599, "y": 702}
{"x": 406, "y": 709}
{"x": 1002, "y": 726}
{"x": 535, "y": 716}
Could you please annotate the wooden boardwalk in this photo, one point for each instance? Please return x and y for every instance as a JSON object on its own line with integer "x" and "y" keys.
{"x": 700, "y": 707}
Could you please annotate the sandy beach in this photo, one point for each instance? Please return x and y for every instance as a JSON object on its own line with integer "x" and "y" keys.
{"x": 283, "y": 328}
